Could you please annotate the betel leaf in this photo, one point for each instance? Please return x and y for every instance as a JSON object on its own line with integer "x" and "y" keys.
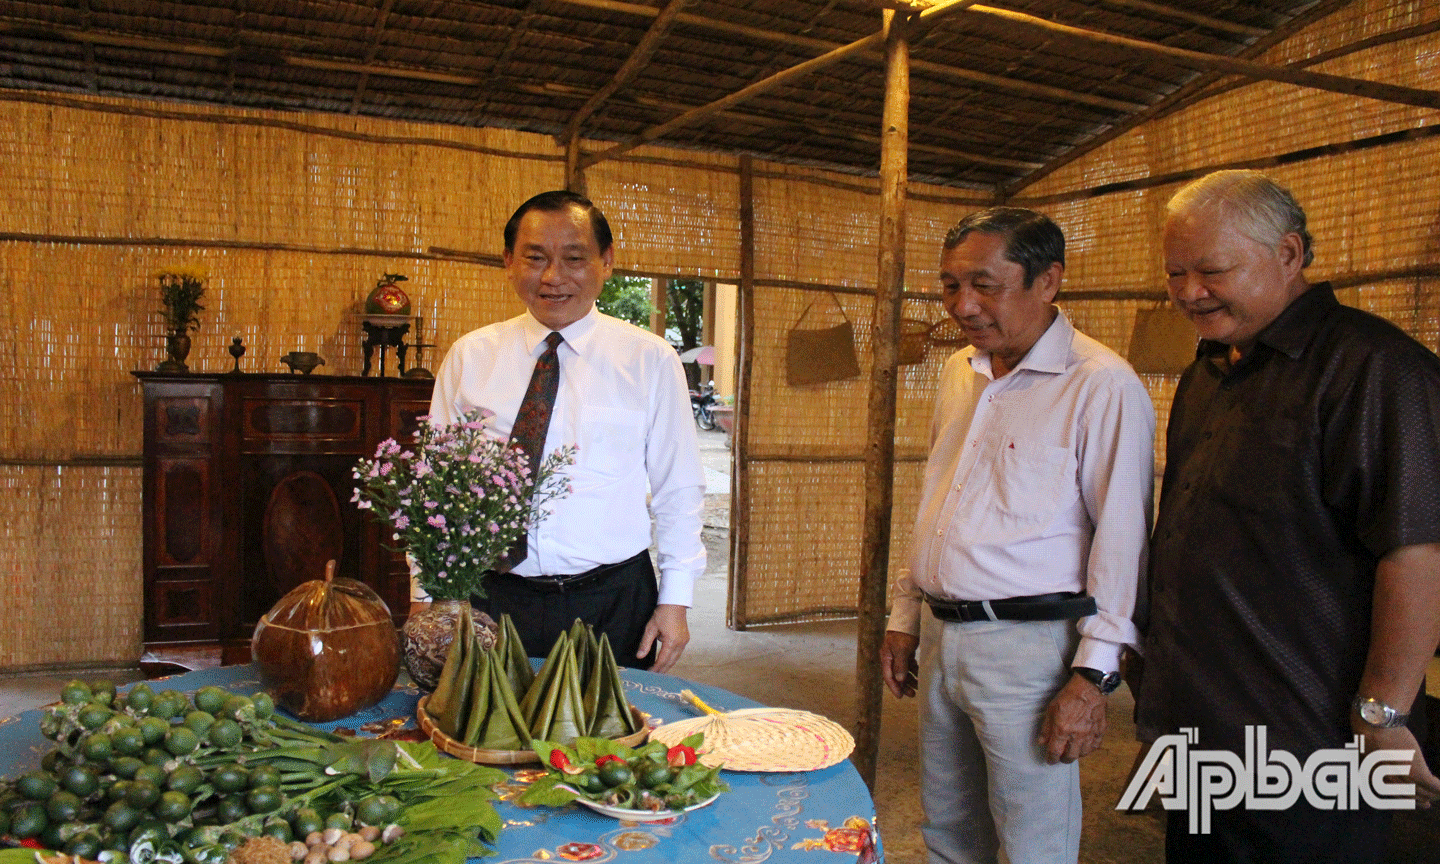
{"x": 548, "y": 791}
{"x": 505, "y": 729}
{"x": 609, "y": 717}
{"x": 447, "y": 707}
{"x": 479, "y": 709}
{"x": 517, "y": 662}
{"x": 534, "y": 700}
{"x": 568, "y": 721}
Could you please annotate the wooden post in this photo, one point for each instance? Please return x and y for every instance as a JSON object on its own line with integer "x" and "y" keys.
{"x": 740, "y": 436}
{"x": 659, "y": 289}
{"x": 574, "y": 174}
{"x": 880, "y": 438}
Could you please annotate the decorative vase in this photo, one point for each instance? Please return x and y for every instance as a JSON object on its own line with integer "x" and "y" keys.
{"x": 425, "y": 639}
{"x": 177, "y": 348}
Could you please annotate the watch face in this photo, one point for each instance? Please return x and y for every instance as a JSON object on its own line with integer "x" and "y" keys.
{"x": 1373, "y": 712}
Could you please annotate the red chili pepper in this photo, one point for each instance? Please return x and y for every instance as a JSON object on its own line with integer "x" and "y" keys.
{"x": 609, "y": 757}
{"x": 561, "y": 762}
{"x": 679, "y": 756}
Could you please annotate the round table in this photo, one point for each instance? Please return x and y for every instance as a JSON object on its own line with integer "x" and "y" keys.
{"x": 818, "y": 817}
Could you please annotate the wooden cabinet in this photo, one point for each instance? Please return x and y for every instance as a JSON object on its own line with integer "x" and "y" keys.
{"x": 247, "y": 494}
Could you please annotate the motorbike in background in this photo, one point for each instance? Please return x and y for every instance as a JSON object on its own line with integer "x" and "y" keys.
{"x": 701, "y": 402}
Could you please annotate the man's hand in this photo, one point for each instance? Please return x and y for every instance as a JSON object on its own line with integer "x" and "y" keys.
{"x": 1074, "y": 722}
{"x": 897, "y": 662}
{"x": 669, "y": 626}
{"x": 1427, "y": 785}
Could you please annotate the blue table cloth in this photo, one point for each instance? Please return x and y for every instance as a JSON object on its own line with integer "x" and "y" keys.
{"x": 815, "y": 817}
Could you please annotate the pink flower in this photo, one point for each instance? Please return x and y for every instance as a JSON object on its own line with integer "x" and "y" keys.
{"x": 436, "y": 521}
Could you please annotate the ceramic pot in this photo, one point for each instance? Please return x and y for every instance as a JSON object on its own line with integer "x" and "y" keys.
{"x": 425, "y": 639}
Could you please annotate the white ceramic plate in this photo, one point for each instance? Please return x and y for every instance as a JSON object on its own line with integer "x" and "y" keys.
{"x": 640, "y": 815}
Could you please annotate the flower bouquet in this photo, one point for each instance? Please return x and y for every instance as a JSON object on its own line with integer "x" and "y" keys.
{"x": 458, "y": 500}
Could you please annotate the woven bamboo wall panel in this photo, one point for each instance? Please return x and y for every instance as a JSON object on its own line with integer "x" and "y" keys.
{"x": 92, "y": 315}
{"x": 97, "y": 173}
{"x": 810, "y": 517}
{"x": 830, "y": 419}
{"x": 70, "y": 564}
{"x": 812, "y": 233}
{"x": 670, "y": 218}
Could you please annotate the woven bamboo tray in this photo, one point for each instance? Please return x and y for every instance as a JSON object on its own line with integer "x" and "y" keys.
{"x": 761, "y": 739}
{"x": 482, "y": 756}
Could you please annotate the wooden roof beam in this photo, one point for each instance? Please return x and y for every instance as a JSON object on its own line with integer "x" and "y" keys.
{"x": 1206, "y": 21}
{"x": 637, "y": 61}
{"x": 1189, "y": 93}
{"x": 1232, "y": 65}
{"x": 929, "y": 16}
{"x": 382, "y": 17}
{"x": 808, "y": 43}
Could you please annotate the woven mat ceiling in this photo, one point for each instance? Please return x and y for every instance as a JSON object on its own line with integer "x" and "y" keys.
{"x": 1000, "y": 95}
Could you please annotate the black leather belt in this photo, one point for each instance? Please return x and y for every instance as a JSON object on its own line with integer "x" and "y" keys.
{"x": 1038, "y": 607}
{"x": 561, "y": 584}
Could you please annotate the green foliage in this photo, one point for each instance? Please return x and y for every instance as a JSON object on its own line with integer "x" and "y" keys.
{"x": 180, "y": 292}
{"x": 627, "y": 298}
{"x": 686, "y": 316}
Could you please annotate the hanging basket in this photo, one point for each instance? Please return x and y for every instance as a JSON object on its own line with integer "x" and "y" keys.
{"x": 914, "y": 341}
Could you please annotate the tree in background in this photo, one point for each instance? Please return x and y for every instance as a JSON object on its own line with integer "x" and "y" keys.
{"x": 686, "y": 315}
{"x": 627, "y": 298}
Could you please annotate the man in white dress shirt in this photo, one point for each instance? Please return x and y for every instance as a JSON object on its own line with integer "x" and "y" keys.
{"x": 622, "y": 397}
{"x": 1029, "y": 548}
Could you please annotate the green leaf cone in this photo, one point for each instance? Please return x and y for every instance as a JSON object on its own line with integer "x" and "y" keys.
{"x": 480, "y": 706}
{"x": 505, "y": 728}
{"x": 608, "y": 718}
{"x": 568, "y": 721}
{"x": 582, "y": 639}
{"x": 517, "y": 662}
{"x": 534, "y": 707}
{"x": 447, "y": 704}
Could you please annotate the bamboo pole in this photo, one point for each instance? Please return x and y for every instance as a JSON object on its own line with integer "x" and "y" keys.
{"x": 1232, "y": 65}
{"x": 1305, "y": 154}
{"x": 659, "y": 290}
{"x": 880, "y": 449}
{"x": 929, "y": 16}
{"x": 637, "y": 60}
{"x": 1059, "y": 95}
{"x": 737, "y": 618}
{"x": 1186, "y": 95}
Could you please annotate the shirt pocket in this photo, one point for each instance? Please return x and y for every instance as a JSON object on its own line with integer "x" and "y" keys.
{"x": 612, "y": 441}
{"x": 1029, "y": 482}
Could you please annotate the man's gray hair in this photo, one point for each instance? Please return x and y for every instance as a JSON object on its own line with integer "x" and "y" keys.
{"x": 1265, "y": 210}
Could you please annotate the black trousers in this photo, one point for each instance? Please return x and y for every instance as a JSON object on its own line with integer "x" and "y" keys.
{"x": 618, "y": 602}
{"x": 1300, "y": 835}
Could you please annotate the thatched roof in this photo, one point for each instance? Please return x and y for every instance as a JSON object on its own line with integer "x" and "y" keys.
{"x": 1000, "y": 96}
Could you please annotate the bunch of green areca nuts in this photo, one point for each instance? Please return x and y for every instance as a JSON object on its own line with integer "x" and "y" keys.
{"x": 158, "y": 777}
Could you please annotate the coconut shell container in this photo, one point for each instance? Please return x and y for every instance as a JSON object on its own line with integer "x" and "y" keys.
{"x": 327, "y": 649}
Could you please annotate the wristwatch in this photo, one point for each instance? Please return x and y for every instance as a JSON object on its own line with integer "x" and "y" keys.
{"x": 1378, "y": 714}
{"x": 1106, "y": 681}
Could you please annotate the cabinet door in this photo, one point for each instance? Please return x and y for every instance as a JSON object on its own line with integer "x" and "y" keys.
{"x": 181, "y": 511}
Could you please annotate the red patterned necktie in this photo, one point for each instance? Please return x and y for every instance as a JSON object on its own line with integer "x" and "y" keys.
{"x": 533, "y": 421}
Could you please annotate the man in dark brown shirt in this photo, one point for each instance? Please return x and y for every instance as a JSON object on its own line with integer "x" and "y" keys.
{"x": 1295, "y": 563}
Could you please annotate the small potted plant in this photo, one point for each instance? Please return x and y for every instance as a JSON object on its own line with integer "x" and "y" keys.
{"x": 180, "y": 292}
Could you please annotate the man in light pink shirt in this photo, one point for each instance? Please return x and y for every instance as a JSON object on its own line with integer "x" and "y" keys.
{"x": 1029, "y": 549}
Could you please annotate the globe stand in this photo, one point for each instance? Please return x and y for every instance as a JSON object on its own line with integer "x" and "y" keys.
{"x": 385, "y": 332}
